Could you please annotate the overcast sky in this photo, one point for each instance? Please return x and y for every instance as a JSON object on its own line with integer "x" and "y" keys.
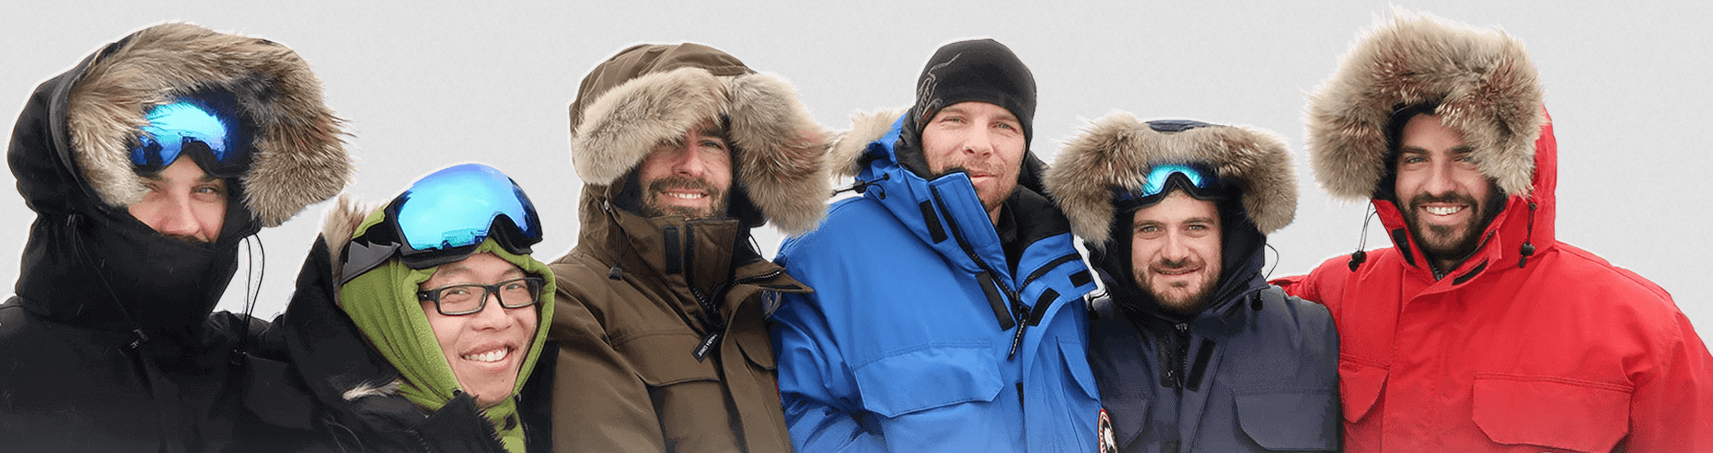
{"x": 426, "y": 86}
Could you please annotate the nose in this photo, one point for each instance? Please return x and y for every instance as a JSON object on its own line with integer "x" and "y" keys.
{"x": 1439, "y": 178}
{"x": 176, "y": 218}
{"x": 493, "y": 315}
{"x": 690, "y": 162}
{"x": 978, "y": 142}
{"x": 1174, "y": 249}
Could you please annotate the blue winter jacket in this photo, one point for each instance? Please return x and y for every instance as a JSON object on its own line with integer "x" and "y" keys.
{"x": 919, "y": 337}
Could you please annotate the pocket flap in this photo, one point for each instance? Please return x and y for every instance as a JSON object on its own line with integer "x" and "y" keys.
{"x": 1359, "y": 384}
{"x": 1551, "y": 411}
{"x": 1293, "y": 419}
{"x": 665, "y": 358}
{"x": 928, "y": 378}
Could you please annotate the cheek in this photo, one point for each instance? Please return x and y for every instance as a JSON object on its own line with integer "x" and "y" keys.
{"x": 446, "y": 328}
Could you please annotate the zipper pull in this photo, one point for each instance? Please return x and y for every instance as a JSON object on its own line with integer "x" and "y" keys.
{"x": 706, "y": 346}
{"x": 1022, "y": 325}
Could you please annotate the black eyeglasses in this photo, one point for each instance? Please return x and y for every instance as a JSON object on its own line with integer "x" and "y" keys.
{"x": 469, "y": 298}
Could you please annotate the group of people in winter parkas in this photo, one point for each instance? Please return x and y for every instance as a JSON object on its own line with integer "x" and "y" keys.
{"x": 941, "y": 307}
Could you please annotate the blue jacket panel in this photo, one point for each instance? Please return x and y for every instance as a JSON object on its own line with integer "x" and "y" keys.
{"x": 1258, "y": 373}
{"x": 919, "y": 337}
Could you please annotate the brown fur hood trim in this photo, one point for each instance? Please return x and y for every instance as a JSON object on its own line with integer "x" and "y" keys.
{"x": 1483, "y": 80}
{"x": 1118, "y": 150}
{"x": 780, "y": 147}
{"x": 339, "y": 223}
{"x": 849, "y": 146}
{"x": 299, "y": 156}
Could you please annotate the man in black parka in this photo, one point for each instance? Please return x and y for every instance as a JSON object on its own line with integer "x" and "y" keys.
{"x": 1191, "y": 349}
{"x": 108, "y": 344}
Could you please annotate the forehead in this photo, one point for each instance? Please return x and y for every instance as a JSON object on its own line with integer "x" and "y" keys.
{"x": 1428, "y": 132}
{"x": 1177, "y": 207}
{"x": 977, "y": 108}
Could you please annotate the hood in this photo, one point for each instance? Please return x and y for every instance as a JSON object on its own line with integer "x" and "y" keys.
{"x": 1485, "y": 87}
{"x": 1115, "y": 153}
{"x": 370, "y": 338}
{"x": 1483, "y": 82}
{"x": 87, "y": 261}
{"x": 652, "y": 94}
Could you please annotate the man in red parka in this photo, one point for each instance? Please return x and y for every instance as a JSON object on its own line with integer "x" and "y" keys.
{"x": 1479, "y": 330}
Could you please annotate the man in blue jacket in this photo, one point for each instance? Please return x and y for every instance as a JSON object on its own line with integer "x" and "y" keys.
{"x": 947, "y": 312}
{"x": 1192, "y": 350}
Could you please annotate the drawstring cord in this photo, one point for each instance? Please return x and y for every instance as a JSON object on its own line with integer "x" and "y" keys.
{"x": 1361, "y": 254}
{"x": 1528, "y": 248}
{"x": 861, "y": 187}
{"x": 617, "y": 272}
{"x": 251, "y": 293}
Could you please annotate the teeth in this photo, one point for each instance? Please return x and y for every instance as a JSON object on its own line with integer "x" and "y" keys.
{"x": 490, "y": 356}
{"x": 687, "y": 196}
{"x": 1448, "y": 210}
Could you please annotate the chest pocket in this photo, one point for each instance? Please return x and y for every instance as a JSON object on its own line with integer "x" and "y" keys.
{"x": 1551, "y": 412}
{"x": 1289, "y": 419}
{"x": 932, "y": 377}
{"x": 663, "y": 359}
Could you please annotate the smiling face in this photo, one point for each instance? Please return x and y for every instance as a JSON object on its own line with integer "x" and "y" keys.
{"x": 985, "y": 141}
{"x": 688, "y": 178}
{"x": 486, "y": 349}
{"x": 1175, "y": 251}
{"x": 1440, "y": 191}
{"x": 183, "y": 202}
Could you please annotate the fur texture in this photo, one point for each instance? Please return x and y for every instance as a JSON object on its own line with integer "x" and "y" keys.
{"x": 339, "y": 223}
{"x": 368, "y": 389}
{"x": 1118, "y": 150}
{"x": 1484, "y": 82}
{"x": 779, "y": 145}
{"x": 849, "y": 147}
{"x": 299, "y": 156}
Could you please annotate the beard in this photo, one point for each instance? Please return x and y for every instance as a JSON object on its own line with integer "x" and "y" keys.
{"x": 657, "y": 189}
{"x": 1181, "y": 297}
{"x": 1449, "y": 242}
{"x": 989, "y": 201}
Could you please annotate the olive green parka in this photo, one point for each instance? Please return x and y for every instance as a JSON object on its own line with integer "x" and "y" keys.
{"x": 661, "y": 319}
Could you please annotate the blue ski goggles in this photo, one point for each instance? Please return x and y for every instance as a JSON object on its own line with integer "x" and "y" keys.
{"x": 195, "y": 126}
{"x": 1196, "y": 180}
{"x": 442, "y": 217}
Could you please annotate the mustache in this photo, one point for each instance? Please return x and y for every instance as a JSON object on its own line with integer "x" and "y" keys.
{"x": 1448, "y": 197}
{"x": 1169, "y": 265}
{"x": 680, "y": 182}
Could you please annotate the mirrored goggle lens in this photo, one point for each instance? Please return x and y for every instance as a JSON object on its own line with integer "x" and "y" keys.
{"x": 174, "y": 128}
{"x": 459, "y": 207}
{"x": 1161, "y": 174}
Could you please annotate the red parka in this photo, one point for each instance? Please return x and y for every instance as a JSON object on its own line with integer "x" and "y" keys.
{"x": 1559, "y": 351}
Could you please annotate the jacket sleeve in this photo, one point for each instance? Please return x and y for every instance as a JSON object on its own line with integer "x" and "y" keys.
{"x": 815, "y": 385}
{"x": 1673, "y": 409}
{"x": 599, "y": 402}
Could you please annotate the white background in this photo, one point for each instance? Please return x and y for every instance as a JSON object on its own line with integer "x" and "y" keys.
{"x": 425, "y": 86}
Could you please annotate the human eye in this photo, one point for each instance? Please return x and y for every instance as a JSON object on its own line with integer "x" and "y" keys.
{"x": 712, "y": 143}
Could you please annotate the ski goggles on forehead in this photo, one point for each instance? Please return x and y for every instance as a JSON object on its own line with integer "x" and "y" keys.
{"x": 443, "y": 217}
{"x": 212, "y": 136}
{"x": 1198, "y": 181}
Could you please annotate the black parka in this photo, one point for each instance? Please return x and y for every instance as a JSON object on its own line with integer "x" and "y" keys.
{"x": 108, "y": 344}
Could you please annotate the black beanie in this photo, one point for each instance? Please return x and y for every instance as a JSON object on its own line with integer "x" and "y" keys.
{"x": 976, "y": 70}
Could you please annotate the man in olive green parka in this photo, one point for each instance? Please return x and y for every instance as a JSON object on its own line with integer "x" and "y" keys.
{"x": 682, "y": 150}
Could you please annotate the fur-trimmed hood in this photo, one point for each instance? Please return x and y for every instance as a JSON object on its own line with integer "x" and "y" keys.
{"x": 1482, "y": 80}
{"x": 652, "y": 94}
{"x": 1117, "y": 151}
{"x": 298, "y": 155}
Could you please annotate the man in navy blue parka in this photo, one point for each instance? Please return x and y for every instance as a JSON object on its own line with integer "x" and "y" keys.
{"x": 947, "y": 312}
{"x": 1191, "y": 348}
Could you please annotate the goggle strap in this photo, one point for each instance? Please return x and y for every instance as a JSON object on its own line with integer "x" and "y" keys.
{"x": 361, "y": 257}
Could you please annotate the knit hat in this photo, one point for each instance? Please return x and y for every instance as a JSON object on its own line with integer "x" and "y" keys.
{"x": 976, "y": 70}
